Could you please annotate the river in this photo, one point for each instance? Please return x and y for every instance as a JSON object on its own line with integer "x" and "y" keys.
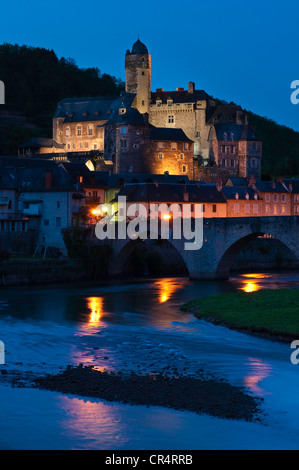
{"x": 137, "y": 325}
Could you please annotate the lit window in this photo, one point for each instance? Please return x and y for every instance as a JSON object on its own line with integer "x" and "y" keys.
{"x": 283, "y": 209}
{"x": 267, "y": 209}
{"x": 275, "y": 210}
{"x": 67, "y": 132}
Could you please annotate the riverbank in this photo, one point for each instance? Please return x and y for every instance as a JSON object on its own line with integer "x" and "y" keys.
{"x": 269, "y": 313}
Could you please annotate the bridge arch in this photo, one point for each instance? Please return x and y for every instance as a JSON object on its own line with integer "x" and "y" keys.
{"x": 227, "y": 259}
{"x": 160, "y": 256}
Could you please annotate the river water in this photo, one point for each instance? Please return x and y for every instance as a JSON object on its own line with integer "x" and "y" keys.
{"x": 137, "y": 325}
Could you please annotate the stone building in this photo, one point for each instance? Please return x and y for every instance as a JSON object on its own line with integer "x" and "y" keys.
{"x": 118, "y": 130}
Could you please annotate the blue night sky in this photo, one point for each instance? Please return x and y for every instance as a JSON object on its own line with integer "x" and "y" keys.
{"x": 246, "y": 52}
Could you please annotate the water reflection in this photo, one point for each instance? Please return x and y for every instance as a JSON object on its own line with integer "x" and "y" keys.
{"x": 166, "y": 288}
{"x": 258, "y": 370}
{"x": 253, "y": 283}
{"x": 94, "y": 420}
{"x": 95, "y": 306}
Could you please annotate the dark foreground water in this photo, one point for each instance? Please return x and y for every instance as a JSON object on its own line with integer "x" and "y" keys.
{"x": 138, "y": 325}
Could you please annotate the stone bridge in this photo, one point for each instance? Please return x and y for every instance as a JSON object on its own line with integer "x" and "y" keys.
{"x": 223, "y": 238}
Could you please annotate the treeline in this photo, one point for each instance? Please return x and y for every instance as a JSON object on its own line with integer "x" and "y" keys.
{"x": 35, "y": 80}
{"x": 280, "y": 147}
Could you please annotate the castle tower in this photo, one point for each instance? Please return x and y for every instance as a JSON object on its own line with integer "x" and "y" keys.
{"x": 138, "y": 75}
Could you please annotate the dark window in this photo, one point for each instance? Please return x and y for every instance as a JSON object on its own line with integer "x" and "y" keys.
{"x": 214, "y": 208}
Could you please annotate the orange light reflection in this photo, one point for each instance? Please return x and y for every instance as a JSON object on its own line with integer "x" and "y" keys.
{"x": 259, "y": 370}
{"x": 166, "y": 289}
{"x": 95, "y": 305}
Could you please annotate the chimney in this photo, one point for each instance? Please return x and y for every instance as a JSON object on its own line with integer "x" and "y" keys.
{"x": 219, "y": 185}
{"x": 180, "y": 89}
{"x": 48, "y": 180}
{"x": 185, "y": 196}
{"x": 159, "y": 90}
{"x": 191, "y": 87}
{"x": 290, "y": 186}
{"x": 280, "y": 179}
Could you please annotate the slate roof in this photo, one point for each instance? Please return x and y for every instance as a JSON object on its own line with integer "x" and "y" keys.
{"x": 239, "y": 131}
{"x": 224, "y": 113}
{"x": 237, "y": 181}
{"x": 271, "y": 187}
{"x": 139, "y": 48}
{"x": 165, "y": 192}
{"x": 131, "y": 116}
{"x": 231, "y": 191}
{"x": 295, "y": 184}
{"x": 169, "y": 134}
{"x": 179, "y": 96}
{"x": 29, "y": 174}
{"x": 37, "y": 142}
{"x": 91, "y": 108}
{"x": 120, "y": 179}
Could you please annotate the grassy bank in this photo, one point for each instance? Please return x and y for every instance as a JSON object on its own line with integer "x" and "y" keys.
{"x": 273, "y": 313}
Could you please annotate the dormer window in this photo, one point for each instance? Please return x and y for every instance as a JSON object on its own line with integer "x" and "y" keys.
{"x": 159, "y": 103}
{"x": 232, "y": 136}
{"x": 237, "y": 196}
{"x": 224, "y": 136}
{"x": 169, "y": 102}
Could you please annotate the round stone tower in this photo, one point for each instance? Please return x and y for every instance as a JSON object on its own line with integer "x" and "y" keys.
{"x": 138, "y": 75}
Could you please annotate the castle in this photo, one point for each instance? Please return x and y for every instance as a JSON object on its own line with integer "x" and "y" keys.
{"x": 180, "y": 132}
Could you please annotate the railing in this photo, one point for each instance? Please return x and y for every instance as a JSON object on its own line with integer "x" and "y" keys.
{"x": 12, "y": 216}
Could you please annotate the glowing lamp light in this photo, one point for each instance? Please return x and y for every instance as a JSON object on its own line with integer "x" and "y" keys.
{"x": 166, "y": 217}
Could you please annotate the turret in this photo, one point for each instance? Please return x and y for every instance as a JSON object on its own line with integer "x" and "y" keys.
{"x": 138, "y": 75}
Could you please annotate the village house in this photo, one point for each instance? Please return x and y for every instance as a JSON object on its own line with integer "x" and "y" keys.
{"x": 208, "y": 198}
